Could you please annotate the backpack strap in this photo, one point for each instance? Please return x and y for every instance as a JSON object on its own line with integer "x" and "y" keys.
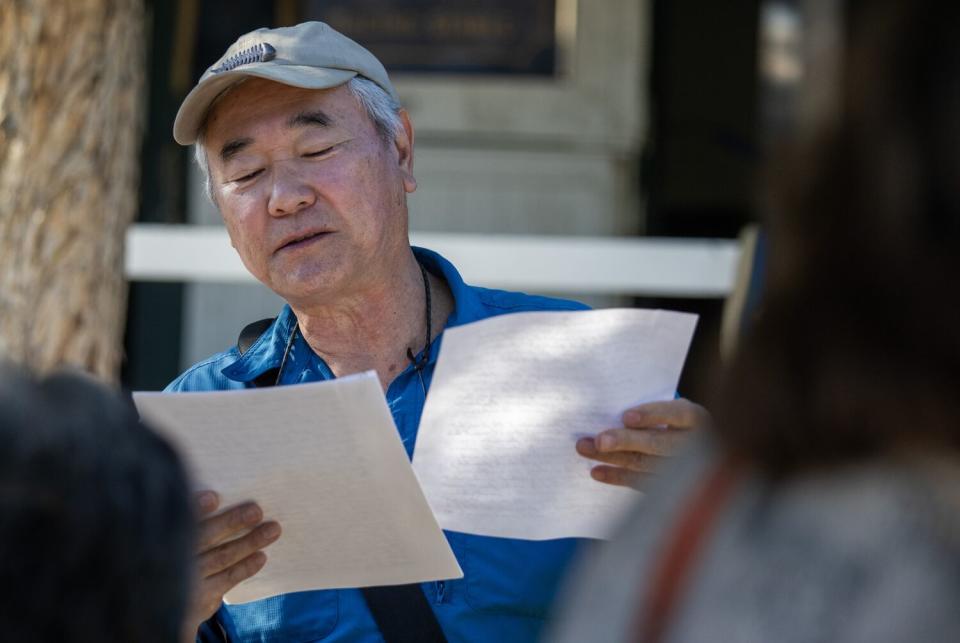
{"x": 252, "y": 332}
{"x": 401, "y": 612}
{"x": 248, "y": 337}
{"x": 696, "y": 522}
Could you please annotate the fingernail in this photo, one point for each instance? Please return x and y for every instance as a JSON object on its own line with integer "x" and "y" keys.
{"x": 271, "y": 530}
{"x": 607, "y": 442}
{"x": 251, "y": 514}
{"x": 207, "y": 500}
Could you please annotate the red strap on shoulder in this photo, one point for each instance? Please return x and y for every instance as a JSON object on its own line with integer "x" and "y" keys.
{"x": 681, "y": 548}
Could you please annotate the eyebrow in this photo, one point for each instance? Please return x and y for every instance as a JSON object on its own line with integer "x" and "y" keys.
{"x": 234, "y": 147}
{"x": 312, "y": 118}
{"x": 316, "y": 118}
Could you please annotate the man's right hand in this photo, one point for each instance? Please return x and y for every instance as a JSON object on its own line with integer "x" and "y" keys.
{"x": 224, "y": 559}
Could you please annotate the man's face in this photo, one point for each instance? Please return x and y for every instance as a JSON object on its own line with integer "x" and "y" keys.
{"x": 313, "y": 199}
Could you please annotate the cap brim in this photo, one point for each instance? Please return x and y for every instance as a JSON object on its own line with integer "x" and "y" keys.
{"x": 193, "y": 110}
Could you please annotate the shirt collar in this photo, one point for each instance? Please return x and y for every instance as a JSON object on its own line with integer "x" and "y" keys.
{"x": 267, "y": 352}
{"x": 467, "y": 306}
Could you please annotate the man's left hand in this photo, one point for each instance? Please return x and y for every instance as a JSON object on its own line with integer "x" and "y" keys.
{"x": 651, "y": 432}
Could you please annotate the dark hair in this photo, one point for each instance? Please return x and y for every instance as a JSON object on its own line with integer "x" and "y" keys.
{"x": 96, "y": 526}
{"x": 857, "y": 349}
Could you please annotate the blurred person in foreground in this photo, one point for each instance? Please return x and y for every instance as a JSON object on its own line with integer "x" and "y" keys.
{"x": 827, "y": 505}
{"x": 96, "y": 527}
{"x": 308, "y": 156}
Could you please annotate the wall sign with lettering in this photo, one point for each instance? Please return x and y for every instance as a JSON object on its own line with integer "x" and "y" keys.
{"x": 514, "y": 37}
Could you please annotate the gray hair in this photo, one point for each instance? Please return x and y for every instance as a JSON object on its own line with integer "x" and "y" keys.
{"x": 382, "y": 109}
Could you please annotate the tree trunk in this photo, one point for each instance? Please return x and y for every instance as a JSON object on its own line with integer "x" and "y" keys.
{"x": 71, "y": 78}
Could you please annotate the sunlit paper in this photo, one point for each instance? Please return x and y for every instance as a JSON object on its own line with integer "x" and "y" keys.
{"x": 509, "y": 399}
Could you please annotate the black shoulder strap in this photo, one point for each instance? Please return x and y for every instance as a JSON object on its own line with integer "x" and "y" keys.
{"x": 403, "y": 614}
{"x": 251, "y": 333}
{"x": 401, "y": 611}
{"x": 248, "y": 337}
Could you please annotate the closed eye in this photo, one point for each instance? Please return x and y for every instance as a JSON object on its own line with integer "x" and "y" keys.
{"x": 319, "y": 153}
{"x": 248, "y": 177}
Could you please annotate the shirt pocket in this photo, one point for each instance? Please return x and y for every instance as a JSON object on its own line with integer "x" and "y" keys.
{"x": 519, "y": 577}
{"x": 299, "y": 617}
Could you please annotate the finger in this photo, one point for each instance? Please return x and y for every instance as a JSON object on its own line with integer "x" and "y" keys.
{"x": 206, "y": 502}
{"x": 618, "y": 476}
{"x": 677, "y": 414}
{"x": 213, "y": 588}
{"x": 660, "y": 442}
{"x": 227, "y": 555}
{"x": 216, "y": 529}
{"x": 629, "y": 460}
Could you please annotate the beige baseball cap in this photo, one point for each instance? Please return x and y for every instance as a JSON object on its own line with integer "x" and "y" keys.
{"x": 310, "y": 55}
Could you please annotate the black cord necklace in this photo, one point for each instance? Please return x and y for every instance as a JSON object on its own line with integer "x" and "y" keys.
{"x": 286, "y": 352}
{"x": 425, "y": 358}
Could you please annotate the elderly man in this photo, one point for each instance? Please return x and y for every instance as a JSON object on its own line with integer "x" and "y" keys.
{"x": 309, "y": 158}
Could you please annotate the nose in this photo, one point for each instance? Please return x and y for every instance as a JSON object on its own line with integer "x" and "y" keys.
{"x": 290, "y": 193}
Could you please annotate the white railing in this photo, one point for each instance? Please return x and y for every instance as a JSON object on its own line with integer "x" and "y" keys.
{"x": 647, "y": 266}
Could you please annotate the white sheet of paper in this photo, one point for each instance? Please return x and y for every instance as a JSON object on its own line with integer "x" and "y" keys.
{"x": 510, "y": 397}
{"x": 325, "y": 461}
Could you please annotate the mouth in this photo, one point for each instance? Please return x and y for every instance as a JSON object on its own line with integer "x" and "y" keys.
{"x": 303, "y": 240}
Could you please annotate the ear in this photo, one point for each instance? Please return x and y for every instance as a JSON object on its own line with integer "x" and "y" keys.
{"x": 404, "y": 147}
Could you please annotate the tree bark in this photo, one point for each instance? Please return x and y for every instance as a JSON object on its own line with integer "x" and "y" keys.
{"x": 71, "y": 79}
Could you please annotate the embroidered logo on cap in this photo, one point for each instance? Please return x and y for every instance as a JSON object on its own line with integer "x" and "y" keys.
{"x": 260, "y": 53}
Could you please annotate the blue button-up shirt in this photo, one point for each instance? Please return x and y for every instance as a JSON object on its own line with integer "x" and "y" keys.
{"x": 508, "y": 584}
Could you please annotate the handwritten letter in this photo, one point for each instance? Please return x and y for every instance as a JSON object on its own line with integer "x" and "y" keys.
{"x": 509, "y": 399}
